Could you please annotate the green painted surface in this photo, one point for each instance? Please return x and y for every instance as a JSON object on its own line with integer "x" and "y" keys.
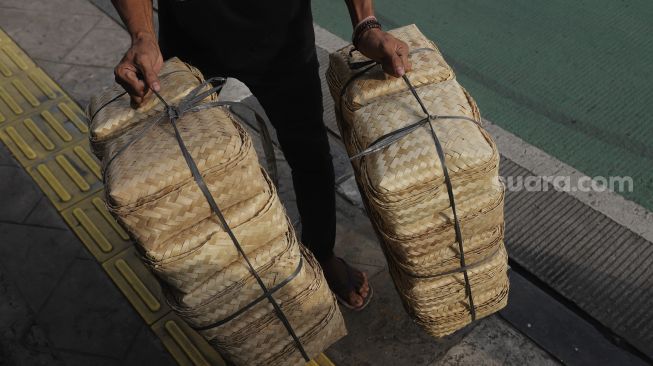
{"x": 572, "y": 78}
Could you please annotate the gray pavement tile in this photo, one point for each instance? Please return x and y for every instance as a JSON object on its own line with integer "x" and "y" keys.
{"x": 494, "y": 342}
{"x": 341, "y": 163}
{"x": 109, "y": 23}
{"x": 356, "y": 240}
{"x": 54, "y": 69}
{"x": 79, "y": 7}
{"x": 147, "y": 349}
{"x": 384, "y": 335}
{"x": 44, "y": 214}
{"x": 18, "y": 194}
{"x": 349, "y": 190}
{"x": 46, "y": 35}
{"x": 100, "y": 47}
{"x": 6, "y": 159}
{"x": 35, "y": 258}
{"x": 87, "y": 314}
{"x": 81, "y": 82}
{"x": 22, "y": 342}
{"x": 82, "y": 359}
{"x": 110, "y": 11}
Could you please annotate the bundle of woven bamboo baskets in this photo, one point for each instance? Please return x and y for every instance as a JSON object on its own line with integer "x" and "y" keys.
{"x": 154, "y": 195}
{"x": 402, "y": 182}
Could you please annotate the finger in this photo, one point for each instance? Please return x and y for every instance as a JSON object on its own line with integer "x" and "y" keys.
{"x": 403, "y": 52}
{"x": 152, "y": 80}
{"x": 393, "y": 65}
{"x": 135, "y": 101}
{"x": 146, "y": 67}
{"x": 127, "y": 77}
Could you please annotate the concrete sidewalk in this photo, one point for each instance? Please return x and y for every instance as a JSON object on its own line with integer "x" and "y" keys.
{"x": 59, "y": 307}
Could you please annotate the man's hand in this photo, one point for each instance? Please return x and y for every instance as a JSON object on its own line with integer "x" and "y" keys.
{"x": 137, "y": 71}
{"x": 382, "y": 47}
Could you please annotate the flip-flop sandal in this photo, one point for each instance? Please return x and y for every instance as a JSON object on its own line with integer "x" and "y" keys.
{"x": 352, "y": 280}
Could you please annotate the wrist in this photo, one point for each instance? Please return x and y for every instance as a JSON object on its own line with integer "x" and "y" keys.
{"x": 144, "y": 35}
{"x": 369, "y": 24}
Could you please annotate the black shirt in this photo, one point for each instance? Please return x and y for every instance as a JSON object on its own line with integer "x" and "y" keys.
{"x": 237, "y": 37}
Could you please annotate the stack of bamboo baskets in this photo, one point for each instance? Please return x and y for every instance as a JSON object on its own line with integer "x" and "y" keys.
{"x": 403, "y": 184}
{"x": 151, "y": 192}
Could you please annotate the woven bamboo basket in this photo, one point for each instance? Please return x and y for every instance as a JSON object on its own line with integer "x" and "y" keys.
{"x": 403, "y": 184}
{"x": 153, "y": 194}
{"x": 116, "y": 116}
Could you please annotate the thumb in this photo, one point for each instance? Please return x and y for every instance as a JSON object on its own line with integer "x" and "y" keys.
{"x": 151, "y": 79}
{"x": 394, "y": 65}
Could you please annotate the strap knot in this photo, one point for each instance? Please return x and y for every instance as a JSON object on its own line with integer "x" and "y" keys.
{"x": 173, "y": 112}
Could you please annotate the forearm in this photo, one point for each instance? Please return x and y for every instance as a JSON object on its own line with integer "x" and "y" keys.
{"x": 359, "y": 10}
{"x": 137, "y": 16}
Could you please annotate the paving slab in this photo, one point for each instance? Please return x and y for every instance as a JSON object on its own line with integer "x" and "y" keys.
{"x": 81, "y": 82}
{"x": 36, "y": 258}
{"x": 5, "y": 157}
{"x": 43, "y": 214}
{"x": 147, "y": 350}
{"x": 22, "y": 342}
{"x": 384, "y": 335}
{"x": 102, "y": 46}
{"x": 76, "y": 7}
{"x": 55, "y": 69}
{"x": 48, "y": 36}
{"x": 493, "y": 342}
{"x": 87, "y": 314}
{"x": 18, "y": 194}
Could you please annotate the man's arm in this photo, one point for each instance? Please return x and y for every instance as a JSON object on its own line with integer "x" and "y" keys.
{"x": 377, "y": 44}
{"x": 138, "y": 69}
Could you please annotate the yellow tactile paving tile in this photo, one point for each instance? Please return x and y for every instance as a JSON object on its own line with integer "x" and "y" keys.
{"x": 321, "y": 360}
{"x": 96, "y": 228}
{"x": 67, "y": 176}
{"x": 22, "y": 93}
{"x": 12, "y": 59}
{"x": 186, "y": 346}
{"x": 37, "y": 135}
{"x": 137, "y": 284}
{"x": 47, "y": 133}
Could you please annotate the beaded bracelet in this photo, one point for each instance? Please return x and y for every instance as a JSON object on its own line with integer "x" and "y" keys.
{"x": 366, "y": 24}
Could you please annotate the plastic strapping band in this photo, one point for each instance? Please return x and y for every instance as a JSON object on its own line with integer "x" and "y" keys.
{"x": 189, "y": 104}
{"x": 274, "y": 289}
{"x": 394, "y": 136}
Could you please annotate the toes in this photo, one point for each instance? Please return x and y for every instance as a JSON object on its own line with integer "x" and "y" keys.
{"x": 364, "y": 286}
{"x": 355, "y": 300}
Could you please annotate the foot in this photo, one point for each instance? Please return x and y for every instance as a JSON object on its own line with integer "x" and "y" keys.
{"x": 350, "y": 284}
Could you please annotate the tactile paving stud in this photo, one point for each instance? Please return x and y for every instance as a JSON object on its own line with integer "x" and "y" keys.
{"x": 138, "y": 284}
{"x": 96, "y": 228}
{"x": 33, "y": 138}
{"x": 12, "y": 59}
{"x": 321, "y": 360}
{"x": 68, "y": 176}
{"x": 184, "y": 344}
{"x": 25, "y": 94}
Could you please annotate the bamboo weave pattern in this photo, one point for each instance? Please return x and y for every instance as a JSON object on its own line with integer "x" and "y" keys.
{"x": 403, "y": 184}
{"x": 151, "y": 192}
